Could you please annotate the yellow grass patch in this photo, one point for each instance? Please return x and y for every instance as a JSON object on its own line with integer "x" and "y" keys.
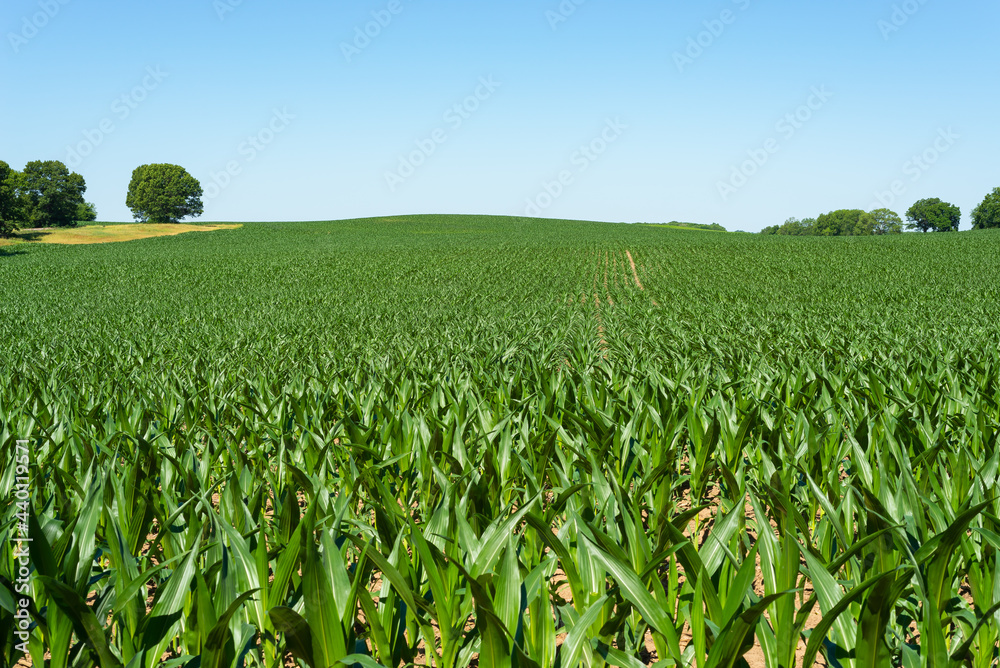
{"x": 103, "y": 234}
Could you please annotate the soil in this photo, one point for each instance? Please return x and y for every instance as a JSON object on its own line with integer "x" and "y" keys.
{"x": 635, "y": 273}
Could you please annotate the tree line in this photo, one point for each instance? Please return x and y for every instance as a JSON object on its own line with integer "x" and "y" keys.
{"x": 926, "y": 215}
{"x": 46, "y": 194}
{"x": 713, "y": 227}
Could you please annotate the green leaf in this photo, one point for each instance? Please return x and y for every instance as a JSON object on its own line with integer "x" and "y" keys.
{"x": 84, "y": 620}
{"x": 732, "y": 642}
{"x": 164, "y": 619}
{"x": 573, "y": 647}
{"x": 742, "y": 584}
{"x": 298, "y": 635}
{"x": 829, "y": 617}
{"x": 616, "y": 657}
{"x": 363, "y": 659}
{"x": 320, "y": 603}
{"x": 218, "y": 651}
{"x": 636, "y": 593}
{"x": 494, "y": 648}
{"x": 126, "y": 596}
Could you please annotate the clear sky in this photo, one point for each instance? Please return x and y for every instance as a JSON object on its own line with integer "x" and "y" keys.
{"x": 741, "y": 112}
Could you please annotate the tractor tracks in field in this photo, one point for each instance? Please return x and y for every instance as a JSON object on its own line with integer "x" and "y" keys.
{"x": 635, "y": 275}
{"x": 615, "y": 269}
{"x": 614, "y": 277}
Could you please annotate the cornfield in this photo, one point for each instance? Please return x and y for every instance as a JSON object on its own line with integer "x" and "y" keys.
{"x": 457, "y": 441}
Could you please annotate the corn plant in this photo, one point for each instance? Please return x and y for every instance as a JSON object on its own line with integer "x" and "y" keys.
{"x": 465, "y": 440}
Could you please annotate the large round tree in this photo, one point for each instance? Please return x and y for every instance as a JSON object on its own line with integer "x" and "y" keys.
{"x": 987, "y": 214}
{"x": 163, "y": 194}
{"x": 933, "y": 215}
{"x": 50, "y": 194}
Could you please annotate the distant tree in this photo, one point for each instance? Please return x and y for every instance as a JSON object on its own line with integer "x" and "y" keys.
{"x": 843, "y": 222}
{"x": 11, "y": 211}
{"x": 163, "y": 194}
{"x": 807, "y": 227}
{"x": 793, "y": 227}
{"x": 86, "y": 212}
{"x": 987, "y": 214}
{"x": 865, "y": 226}
{"x": 50, "y": 194}
{"x": 885, "y": 221}
{"x": 933, "y": 215}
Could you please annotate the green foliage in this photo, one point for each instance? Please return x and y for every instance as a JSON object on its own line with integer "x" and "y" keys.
{"x": 843, "y": 223}
{"x": 163, "y": 193}
{"x": 11, "y": 209}
{"x": 424, "y": 440}
{"x": 987, "y": 214}
{"x": 885, "y": 221}
{"x": 793, "y": 227}
{"x": 51, "y": 194}
{"x": 86, "y": 212}
{"x": 933, "y": 215}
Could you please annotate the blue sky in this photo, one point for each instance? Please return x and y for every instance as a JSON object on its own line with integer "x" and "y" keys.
{"x": 740, "y": 112}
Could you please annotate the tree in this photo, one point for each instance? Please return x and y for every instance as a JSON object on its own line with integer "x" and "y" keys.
{"x": 51, "y": 194}
{"x": 163, "y": 194}
{"x": 933, "y": 215}
{"x": 864, "y": 226}
{"x": 11, "y": 211}
{"x": 807, "y": 227}
{"x": 86, "y": 212}
{"x": 843, "y": 222}
{"x": 792, "y": 227}
{"x": 987, "y": 214}
{"x": 885, "y": 221}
